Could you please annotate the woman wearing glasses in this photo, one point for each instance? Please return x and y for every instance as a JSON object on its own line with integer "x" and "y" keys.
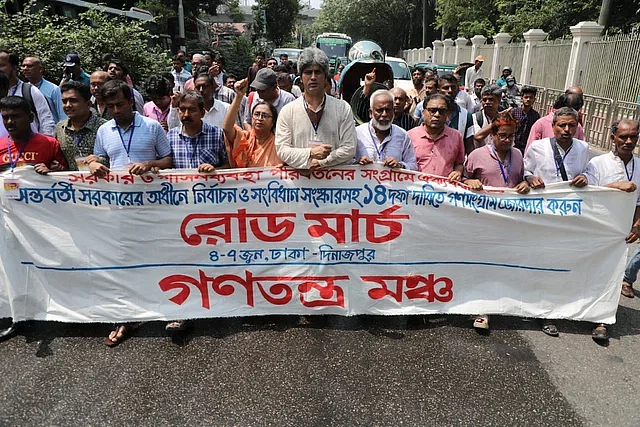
{"x": 256, "y": 147}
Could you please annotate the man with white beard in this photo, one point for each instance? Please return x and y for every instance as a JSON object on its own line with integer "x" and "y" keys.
{"x": 380, "y": 141}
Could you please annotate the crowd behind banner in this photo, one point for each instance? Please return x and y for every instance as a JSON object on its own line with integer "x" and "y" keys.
{"x": 280, "y": 113}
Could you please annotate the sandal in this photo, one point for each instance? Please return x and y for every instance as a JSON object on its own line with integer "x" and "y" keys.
{"x": 627, "y": 290}
{"x": 124, "y": 331}
{"x": 600, "y": 333}
{"x": 176, "y": 326}
{"x": 550, "y": 330}
{"x": 481, "y": 322}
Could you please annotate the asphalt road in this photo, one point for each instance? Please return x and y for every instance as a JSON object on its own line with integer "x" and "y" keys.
{"x": 358, "y": 371}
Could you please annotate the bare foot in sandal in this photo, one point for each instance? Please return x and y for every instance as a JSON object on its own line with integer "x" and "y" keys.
{"x": 120, "y": 333}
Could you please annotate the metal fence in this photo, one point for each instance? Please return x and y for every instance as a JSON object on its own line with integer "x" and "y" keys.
{"x": 511, "y": 55}
{"x": 598, "y": 114}
{"x": 612, "y": 68}
{"x": 550, "y": 62}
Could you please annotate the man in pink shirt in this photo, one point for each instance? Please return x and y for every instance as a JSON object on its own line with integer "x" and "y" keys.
{"x": 439, "y": 149}
{"x": 159, "y": 90}
{"x": 543, "y": 128}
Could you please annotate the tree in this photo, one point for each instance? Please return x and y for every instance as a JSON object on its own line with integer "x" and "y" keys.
{"x": 91, "y": 35}
{"x": 281, "y": 19}
{"x": 387, "y": 22}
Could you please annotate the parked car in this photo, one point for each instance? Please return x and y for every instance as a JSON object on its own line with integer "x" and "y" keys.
{"x": 401, "y": 72}
{"x": 446, "y": 69}
{"x": 292, "y": 53}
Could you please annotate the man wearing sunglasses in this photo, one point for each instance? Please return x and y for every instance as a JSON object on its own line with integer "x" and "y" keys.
{"x": 439, "y": 148}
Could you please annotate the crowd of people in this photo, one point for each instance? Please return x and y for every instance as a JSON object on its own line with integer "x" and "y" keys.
{"x": 198, "y": 116}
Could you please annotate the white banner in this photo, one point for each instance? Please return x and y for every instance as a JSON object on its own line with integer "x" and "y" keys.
{"x": 345, "y": 241}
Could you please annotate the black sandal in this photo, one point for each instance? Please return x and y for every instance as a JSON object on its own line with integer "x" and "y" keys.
{"x": 600, "y": 333}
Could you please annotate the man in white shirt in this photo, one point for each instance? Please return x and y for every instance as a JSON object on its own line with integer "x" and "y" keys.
{"x": 380, "y": 141}
{"x": 214, "y": 110}
{"x": 315, "y": 130}
{"x": 266, "y": 86}
{"x": 474, "y": 73}
{"x": 557, "y": 159}
{"x": 180, "y": 75}
{"x": 620, "y": 169}
{"x": 43, "y": 121}
{"x": 491, "y": 97}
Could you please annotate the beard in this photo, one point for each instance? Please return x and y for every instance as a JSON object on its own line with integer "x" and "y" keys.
{"x": 376, "y": 124}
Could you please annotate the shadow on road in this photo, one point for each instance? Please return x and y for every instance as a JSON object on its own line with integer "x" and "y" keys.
{"x": 391, "y": 327}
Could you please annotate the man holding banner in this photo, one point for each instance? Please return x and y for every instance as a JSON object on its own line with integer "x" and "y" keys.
{"x": 620, "y": 169}
{"x": 114, "y": 140}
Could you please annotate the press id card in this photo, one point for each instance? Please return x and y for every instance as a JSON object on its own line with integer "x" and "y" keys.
{"x": 12, "y": 188}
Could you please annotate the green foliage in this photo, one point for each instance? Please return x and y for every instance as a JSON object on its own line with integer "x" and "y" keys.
{"x": 281, "y": 19}
{"x": 234, "y": 11}
{"x": 387, "y": 22}
{"x": 191, "y": 7}
{"x": 238, "y": 55}
{"x": 91, "y": 35}
{"x": 160, "y": 11}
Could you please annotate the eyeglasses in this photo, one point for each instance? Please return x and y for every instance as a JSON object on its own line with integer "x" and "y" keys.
{"x": 260, "y": 115}
{"x": 434, "y": 111}
{"x": 506, "y": 136}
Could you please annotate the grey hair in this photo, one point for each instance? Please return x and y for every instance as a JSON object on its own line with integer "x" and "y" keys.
{"x": 197, "y": 55}
{"x": 491, "y": 90}
{"x": 617, "y": 123}
{"x": 565, "y": 111}
{"x": 313, "y": 56}
{"x": 381, "y": 93}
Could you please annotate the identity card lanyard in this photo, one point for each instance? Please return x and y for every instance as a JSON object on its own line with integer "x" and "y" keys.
{"x": 504, "y": 176}
{"x": 566, "y": 153}
{"x": 318, "y": 114}
{"x": 127, "y": 147}
{"x": 12, "y": 162}
{"x": 633, "y": 168}
{"x": 374, "y": 138}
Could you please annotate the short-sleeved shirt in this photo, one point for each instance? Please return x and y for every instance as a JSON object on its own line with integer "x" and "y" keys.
{"x": 213, "y": 116}
{"x": 609, "y": 168}
{"x": 39, "y": 149}
{"x": 483, "y": 164}
{"x": 54, "y": 97}
{"x": 397, "y": 145}
{"x": 78, "y": 143}
{"x": 284, "y": 98}
{"x": 189, "y": 152}
{"x": 83, "y": 77}
{"x": 543, "y": 128}
{"x": 181, "y": 78}
{"x": 477, "y": 127}
{"x": 461, "y": 120}
{"x": 437, "y": 156}
{"x": 152, "y": 111}
{"x": 149, "y": 142}
{"x": 539, "y": 160}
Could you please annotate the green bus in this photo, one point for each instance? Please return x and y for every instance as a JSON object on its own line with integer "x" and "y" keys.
{"x": 336, "y": 46}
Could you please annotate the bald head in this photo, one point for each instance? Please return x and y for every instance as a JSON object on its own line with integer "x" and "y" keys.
{"x": 399, "y": 101}
{"x": 96, "y": 81}
{"x": 576, "y": 90}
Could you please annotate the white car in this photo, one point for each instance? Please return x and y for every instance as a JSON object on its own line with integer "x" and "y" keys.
{"x": 401, "y": 72}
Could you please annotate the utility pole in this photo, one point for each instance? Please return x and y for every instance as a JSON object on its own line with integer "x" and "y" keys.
{"x": 605, "y": 11}
{"x": 425, "y": 22}
{"x": 182, "y": 42}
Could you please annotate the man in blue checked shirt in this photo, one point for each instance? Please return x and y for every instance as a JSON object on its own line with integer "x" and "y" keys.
{"x": 196, "y": 144}
{"x": 129, "y": 141}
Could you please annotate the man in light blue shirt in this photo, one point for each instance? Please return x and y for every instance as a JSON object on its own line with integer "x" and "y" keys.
{"x": 33, "y": 70}
{"x": 129, "y": 141}
{"x": 380, "y": 141}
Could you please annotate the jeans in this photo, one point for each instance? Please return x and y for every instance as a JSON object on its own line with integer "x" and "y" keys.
{"x": 631, "y": 272}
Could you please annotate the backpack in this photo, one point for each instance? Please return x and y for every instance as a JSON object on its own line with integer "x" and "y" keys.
{"x": 480, "y": 118}
{"x": 26, "y": 94}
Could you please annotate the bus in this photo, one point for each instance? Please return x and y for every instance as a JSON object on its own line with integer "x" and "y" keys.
{"x": 335, "y": 45}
